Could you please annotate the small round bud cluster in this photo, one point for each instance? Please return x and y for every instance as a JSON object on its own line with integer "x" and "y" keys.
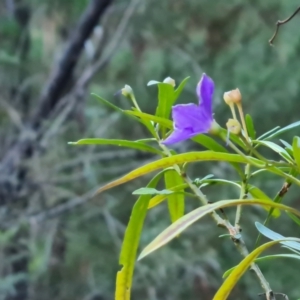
{"x": 233, "y": 96}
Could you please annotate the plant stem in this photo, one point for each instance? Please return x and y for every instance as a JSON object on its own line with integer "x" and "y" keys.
{"x": 234, "y": 232}
{"x": 243, "y": 195}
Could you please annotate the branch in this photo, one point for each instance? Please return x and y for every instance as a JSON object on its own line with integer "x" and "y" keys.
{"x": 11, "y": 171}
{"x": 279, "y": 23}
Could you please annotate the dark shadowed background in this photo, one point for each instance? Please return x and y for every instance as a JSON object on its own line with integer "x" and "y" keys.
{"x": 56, "y": 242}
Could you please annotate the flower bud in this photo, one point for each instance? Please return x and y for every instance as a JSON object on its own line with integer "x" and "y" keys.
{"x": 127, "y": 91}
{"x": 233, "y": 126}
{"x": 233, "y": 96}
{"x": 170, "y": 81}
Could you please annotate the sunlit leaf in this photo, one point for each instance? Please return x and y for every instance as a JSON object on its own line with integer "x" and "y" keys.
{"x": 296, "y": 150}
{"x": 131, "y": 242}
{"x": 120, "y": 143}
{"x": 175, "y": 201}
{"x": 187, "y": 220}
{"x": 179, "y": 159}
{"x": 151, "y": 191}
{"x": 267, "y": 257}
{"x": 241, "y": 268}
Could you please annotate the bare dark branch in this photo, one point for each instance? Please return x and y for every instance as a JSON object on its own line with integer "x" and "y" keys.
{"x": 279, "y": 23}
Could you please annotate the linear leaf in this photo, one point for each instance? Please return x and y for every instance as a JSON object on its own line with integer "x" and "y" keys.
{"x": 179, "y": 159}
{"x": 151, "y": 191}
{"x": 267, "y": 257}
{"x": 250, "y": 127}
{"x": 266, "y": 134}
{"x": 294, "y": 218}
{"x": 162, "y": 121}
{"x": 180, "y": 88}
{"x": 296, "y": 150}
{"x": 278, "y": 149}
{"x": 272, "y": 235}
{"x": 159, "y": 198}
{"x": 175, "y": 201}
{"x": 166, "y": 99}
{"x": 241, "y": 268}
{"x": 187, "y": 220}
{"x": 283, "y": 130}
{"x": 131, "y": 242}
{"x": 259, "y": 194}
{"x": 120, "y": 143}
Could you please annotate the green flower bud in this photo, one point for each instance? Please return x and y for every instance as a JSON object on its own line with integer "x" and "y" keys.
{"x": 234, "y": 126}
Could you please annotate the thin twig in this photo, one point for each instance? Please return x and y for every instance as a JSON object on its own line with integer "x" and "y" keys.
{"x": 234, "y": 232}
{"x": 279, "y": 23}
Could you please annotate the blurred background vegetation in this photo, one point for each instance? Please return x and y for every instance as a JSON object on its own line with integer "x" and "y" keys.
{"x": 56, "y": 242}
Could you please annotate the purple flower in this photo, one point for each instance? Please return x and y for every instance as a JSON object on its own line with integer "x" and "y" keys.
{"x": 191, "y": 119}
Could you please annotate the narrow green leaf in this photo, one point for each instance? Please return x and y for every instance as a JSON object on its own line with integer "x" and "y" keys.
{"x": 151, "y": 191}
{"x": 166, "y": 98}
{"x": 296, "y": 150}
{"x": 205, "y": 182}
{"x": 286, "y": 144}
{"x": 108, "y": 103}
{"x": 241, "y": 268}
{"x": 187, "y": 220}
{"x": 209, "y": 143}
{"x": 267, "y": 257}
{"x": 294, "y": 218}
{"x": 175, "y": 201}
{"x": 164, "y": 122}
{"x": 131, "y": 242}
{"x": 180, "y": 88}
{"x": 180, "y": 159}
{"x": 114, "y": 107}
{"x": 278, "y": 149}
{"x": 160, "y": 198}
{"x": 259, "y": 194}
{"x": 266, "y": 134}
{"x": 250, "y": 127}
{"x": 120, "y": 143}
{"x": 283, "y": 130}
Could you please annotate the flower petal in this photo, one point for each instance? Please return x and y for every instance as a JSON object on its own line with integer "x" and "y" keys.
{"x": 205, "y": 90}
{"x": 189, "y": 120}
{"x": 178, "y": 135}
{"x": 191, "y": 116}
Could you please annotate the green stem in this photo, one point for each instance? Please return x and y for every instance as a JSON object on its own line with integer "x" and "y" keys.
{"x": 234, "y": 233}
{"x": 243, "y": 195}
